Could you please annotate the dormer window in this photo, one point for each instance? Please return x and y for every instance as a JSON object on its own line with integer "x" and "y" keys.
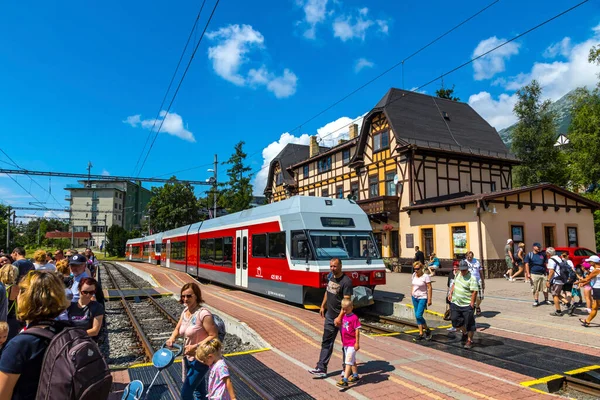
{"x": 279, "y": 179}
{"x": 381, "y": 141}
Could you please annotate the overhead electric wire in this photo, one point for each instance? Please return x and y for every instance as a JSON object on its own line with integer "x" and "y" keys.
{"x": 31, "y": 194}
{"x": 460, "y": 66}
{"x": 179, "y": 85}
{"x": 170, "y": 84}
{"x": 184, "y": 170}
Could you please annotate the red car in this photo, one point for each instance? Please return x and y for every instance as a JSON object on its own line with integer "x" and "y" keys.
{"x": 576, "y": 254}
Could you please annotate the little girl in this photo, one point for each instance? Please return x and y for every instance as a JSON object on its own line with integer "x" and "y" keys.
{"x": 220, "y": 386}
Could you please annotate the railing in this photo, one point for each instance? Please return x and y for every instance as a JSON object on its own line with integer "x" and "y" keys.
{"x": 381, "y": 205}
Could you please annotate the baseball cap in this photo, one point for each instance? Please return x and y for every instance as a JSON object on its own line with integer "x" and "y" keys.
{"x": 508, "y": 241}
{"x": 594, "y": 259}
{"x": 77, "y": 259}
{"x": 537, "y": 244}
{"x": 463, "y": 265}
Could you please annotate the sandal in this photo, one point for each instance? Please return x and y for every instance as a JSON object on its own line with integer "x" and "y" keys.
{"x": 478, "y": 311}
{"x": 584, "y": 322}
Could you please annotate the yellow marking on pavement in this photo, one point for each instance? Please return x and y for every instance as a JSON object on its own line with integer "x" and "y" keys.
{"x": 414, "y": 388}
{"x": 545, "y": 379}
{"x": 443, "y": 326}
{"x": 426, "y": 311}
{"x": 312, "y": 307}
{"x": 412, "y": 331}
{"x": 241, "y": 353}
{"x": 582, "y": 370}
{"x": 384, "y": 334}
{"x": 445, "y": 382}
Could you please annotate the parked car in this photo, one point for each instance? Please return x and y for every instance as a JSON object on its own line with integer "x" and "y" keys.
{"x": 576, "y": 254}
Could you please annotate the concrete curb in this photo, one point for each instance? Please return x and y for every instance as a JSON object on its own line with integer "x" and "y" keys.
{"x": 144, "y": 275}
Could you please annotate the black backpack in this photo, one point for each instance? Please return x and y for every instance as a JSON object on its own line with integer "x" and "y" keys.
{"x": 566, "y": 273}
{"x": 73, "y": 367}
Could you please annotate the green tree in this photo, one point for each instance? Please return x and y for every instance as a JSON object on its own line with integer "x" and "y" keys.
{"x": 584, "y": 137}
{"x": 172, "y": 206}
{"x": 237, "y": 194}
{"x": 446, "y": 93}
{"x": 116, "y": 238}
{"x": 533, "y": 140}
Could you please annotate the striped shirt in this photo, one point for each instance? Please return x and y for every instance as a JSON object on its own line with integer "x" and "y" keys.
{"x": 463, "y": 288}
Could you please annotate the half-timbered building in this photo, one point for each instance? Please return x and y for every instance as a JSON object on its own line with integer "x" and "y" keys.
{"x": 431, "y": 172}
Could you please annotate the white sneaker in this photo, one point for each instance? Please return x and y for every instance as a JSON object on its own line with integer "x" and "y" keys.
{"x": 451, "y": 329}
{"x": 511, "y": 279}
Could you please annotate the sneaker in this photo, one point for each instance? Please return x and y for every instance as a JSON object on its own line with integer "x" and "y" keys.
{"x": 512, "y": 280}
{"x": 556, "y": 314}
{"x": 506, "y": 277}
{"x": 428, "y": 334}
{"x": 342, "y": 383}
{"x": 468, "y": 345}
{"x": 318, "y": 373}
{"x": 451, "y": 329}
{"x": 548, "y": 302}
{"x": 418, "y": 338}
{"x": 571, "y": 309}
{"x": 354, "y": 379}
{"x": 342, "y": 375}
{"x": 535, "y": 303}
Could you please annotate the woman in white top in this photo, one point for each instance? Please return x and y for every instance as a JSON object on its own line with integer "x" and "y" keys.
{"x": 421, "y": 298}
{"x": 476, "y": 271}
{"x": 40, "y": 263}
{"x": 594, "y": 280}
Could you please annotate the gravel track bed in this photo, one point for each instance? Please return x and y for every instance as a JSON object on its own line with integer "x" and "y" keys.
{"x": 154, "y": 324}
{"x": 121, "y": 275}
{"x": 121, "y": 348}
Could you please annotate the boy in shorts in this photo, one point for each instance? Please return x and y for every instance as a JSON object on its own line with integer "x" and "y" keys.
{"x": 350, "y": 343}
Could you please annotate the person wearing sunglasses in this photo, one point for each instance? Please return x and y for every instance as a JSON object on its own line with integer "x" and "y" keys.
{"x": 87, "y": 313}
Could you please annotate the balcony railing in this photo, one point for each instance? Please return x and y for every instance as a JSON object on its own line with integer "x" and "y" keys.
{"x": 382, "y": 208}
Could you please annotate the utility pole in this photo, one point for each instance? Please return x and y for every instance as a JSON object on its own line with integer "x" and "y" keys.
{"x": 8, "y": 231}
{"x": 105, "y": 235}
{"x": 215, "y": 189}
{"x": 89, "y": 169}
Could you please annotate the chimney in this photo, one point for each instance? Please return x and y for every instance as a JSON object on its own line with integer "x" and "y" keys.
{"x": 341, "y": 141}
{"x": 353, "y": 131}
{"x": 314, "y": 147}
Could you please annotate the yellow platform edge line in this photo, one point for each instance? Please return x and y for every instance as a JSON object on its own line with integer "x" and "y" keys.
{"x": 311, "y": 307}
{"x": 241, "y": 353}
{"x": 412, "y": 331}
{"x": 545, "y": 379}
{"x": 581, "y": 370}
{"x": 385, "y": 334}
{"x": 426, "y": 311}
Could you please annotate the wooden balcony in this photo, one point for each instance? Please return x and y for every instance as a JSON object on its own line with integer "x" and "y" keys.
{"x": 381, "y": 209}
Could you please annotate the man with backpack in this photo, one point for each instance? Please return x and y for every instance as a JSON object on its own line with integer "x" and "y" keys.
{"x": 535, "y": 272}
{"x": 558, "y": 275}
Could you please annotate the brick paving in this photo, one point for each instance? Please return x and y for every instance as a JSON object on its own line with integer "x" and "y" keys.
{"x": 389, "y": 367}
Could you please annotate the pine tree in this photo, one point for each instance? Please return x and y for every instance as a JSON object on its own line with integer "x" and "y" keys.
{"x": 444, "y": 93}
{"x": 237, "y": 194}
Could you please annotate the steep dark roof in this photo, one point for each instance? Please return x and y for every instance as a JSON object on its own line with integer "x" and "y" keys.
{"x": 323, "y": 151}
{"x": 289, "y": 155}
{"x": 418, "y": 119}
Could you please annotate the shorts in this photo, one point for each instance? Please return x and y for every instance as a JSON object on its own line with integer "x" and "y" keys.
{"x": 349, "y": 355}
{"x": 595, "y": 294}
{"x": 539, "y": 283}
{"x": 509, "y": 263}
{"x": 463, "y": 316}
{"x": 480, "y": 292}
{"x": 567, "y": 287}
{"x": 434, "y": 266}
{"x": 556, "y": 289}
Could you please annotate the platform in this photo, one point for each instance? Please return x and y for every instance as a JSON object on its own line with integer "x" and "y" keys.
{"x": 390, "y": 366}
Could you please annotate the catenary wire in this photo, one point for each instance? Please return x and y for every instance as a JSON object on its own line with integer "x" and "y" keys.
{"x": 170, "y": 84}
{"x": 179, "y": 85}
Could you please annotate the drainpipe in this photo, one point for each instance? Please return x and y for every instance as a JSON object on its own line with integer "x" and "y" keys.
{"x": 411, "y": 198}
{"x": 479, "y": 235}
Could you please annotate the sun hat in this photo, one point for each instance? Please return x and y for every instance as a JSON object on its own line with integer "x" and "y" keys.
{"x": 508, "y": 241}
{"x": 594, "y": 259}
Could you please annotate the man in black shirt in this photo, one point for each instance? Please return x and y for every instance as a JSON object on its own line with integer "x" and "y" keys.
{"x": 338, "y": 288}
{"x": 419, "y": 255}
{"x": 24, "y": 265}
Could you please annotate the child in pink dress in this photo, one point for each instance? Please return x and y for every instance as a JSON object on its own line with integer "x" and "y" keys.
{"x": 350, "y": 343}
{"x": 220, "y": 386}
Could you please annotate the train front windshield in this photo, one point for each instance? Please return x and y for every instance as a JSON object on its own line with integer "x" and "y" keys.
{"x": 347, "y": 245}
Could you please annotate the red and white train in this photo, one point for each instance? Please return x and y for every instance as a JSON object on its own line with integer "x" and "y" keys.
{"x": 280, "y": 250}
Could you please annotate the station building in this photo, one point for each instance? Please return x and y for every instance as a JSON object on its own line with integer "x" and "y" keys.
{"x": 432, "y": 173}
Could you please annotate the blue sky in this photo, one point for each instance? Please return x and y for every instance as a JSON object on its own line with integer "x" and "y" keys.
{"x": 83, "y": 82}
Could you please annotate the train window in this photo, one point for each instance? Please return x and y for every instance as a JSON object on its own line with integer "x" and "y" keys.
{"x": 259, "y": 245}
{"x": 158, "y": 247}
{"x": 203, "y": 252}
{"x": 227, "y": 251}
{"x": 210, "y": 251}
{"x": 178, "y": 251}
{"x": 299, "y": 245}
{"x": 277, "y": 245}
{"x": 360, "y": 245}
{"x": 328, "y": 244}
{"x": 218, "y": 251}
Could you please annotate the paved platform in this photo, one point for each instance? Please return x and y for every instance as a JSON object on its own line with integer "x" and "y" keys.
{"x": 389, "y": 367}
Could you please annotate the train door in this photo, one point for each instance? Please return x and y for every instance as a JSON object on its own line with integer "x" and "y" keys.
{"x": 241, "y": 264}
{"x": 150, "y": 252}
{"x": 168, "y": 258}
{"x": 130, "y": 252}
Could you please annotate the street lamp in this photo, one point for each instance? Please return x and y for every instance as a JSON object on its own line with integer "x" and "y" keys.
{"x": 213, "y": 180}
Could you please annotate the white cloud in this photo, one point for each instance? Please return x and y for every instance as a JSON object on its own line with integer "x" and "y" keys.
{"x": 493, "y": 63}
{"x": 563, "y": 48}
{"x": 56, "y": 214}
{"x": 234, "y": 43}
{"x": 498, "y": 113}
{"x": 314, "y": 13}
{"x": 348, "y": 27}
{"x": 173, "y": 125}
{"x": 105, "y": 173}
{"x": 329, "y": 134}
{"x": 362, "y": 63}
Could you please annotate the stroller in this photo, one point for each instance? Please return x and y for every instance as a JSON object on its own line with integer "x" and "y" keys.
{"x": 162, "y": 359}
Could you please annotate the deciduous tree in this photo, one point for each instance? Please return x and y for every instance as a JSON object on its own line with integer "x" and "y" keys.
{"x": 116, "y": 238}
{"x": 173, "y": 205}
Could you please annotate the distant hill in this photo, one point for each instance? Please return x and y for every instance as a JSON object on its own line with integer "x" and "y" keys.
{"x": 562, "y": 107}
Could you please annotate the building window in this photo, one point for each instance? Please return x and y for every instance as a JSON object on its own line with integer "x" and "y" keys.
{"x": 493, "y": 186}
{"x": 311, "y": 194}
{"x": 325, "y": 192}
{"x": 381, "y": 141}
{"x": 354, "y": 190}
{"x": 390, "y": 186}
{"x": 427, "y": 242}
{"x": 305, "y": 171}
{"x": 119, "y": 217}
{"x": 517, "y": 235}
{"x": 324, "y": 164}
{"x": 345, "y": 157}
{"x": 549, "y": 236}
{"x": 459, "y": 242}
{"x": 373, "y": 186}
{"x": 339, "y": 192}
{"x": 279, "y": 178}
{"x": 572, "y": 238}
{"x": 116, "y": 206}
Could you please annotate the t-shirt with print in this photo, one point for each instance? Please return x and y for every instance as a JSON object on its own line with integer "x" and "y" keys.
{"x": 217, "y": 389}
{"x": 192, "y": 329}
{"x": 350, "y": 323}
{"x": 554, "y": 265}
{"x": 337, "y": 288}
{"x": 419, "y": 285}
{"x": 474, "y": 268}
{"x": 463, "y": 288}
{"x": 84, "y": 317}
{"x": 537, "y": 263}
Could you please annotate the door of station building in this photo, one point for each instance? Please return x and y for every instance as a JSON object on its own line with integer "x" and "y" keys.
{"x": 241, "y": 262}
{"x": 168, "y": 257}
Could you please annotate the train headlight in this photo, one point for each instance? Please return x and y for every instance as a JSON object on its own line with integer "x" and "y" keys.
{"x": 378, "y": 275}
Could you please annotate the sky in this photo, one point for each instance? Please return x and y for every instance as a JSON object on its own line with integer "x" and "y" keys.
{"x": 83, "y": 82}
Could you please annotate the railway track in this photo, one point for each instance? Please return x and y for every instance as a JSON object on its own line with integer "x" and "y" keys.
{"x": 151, "y": 322}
